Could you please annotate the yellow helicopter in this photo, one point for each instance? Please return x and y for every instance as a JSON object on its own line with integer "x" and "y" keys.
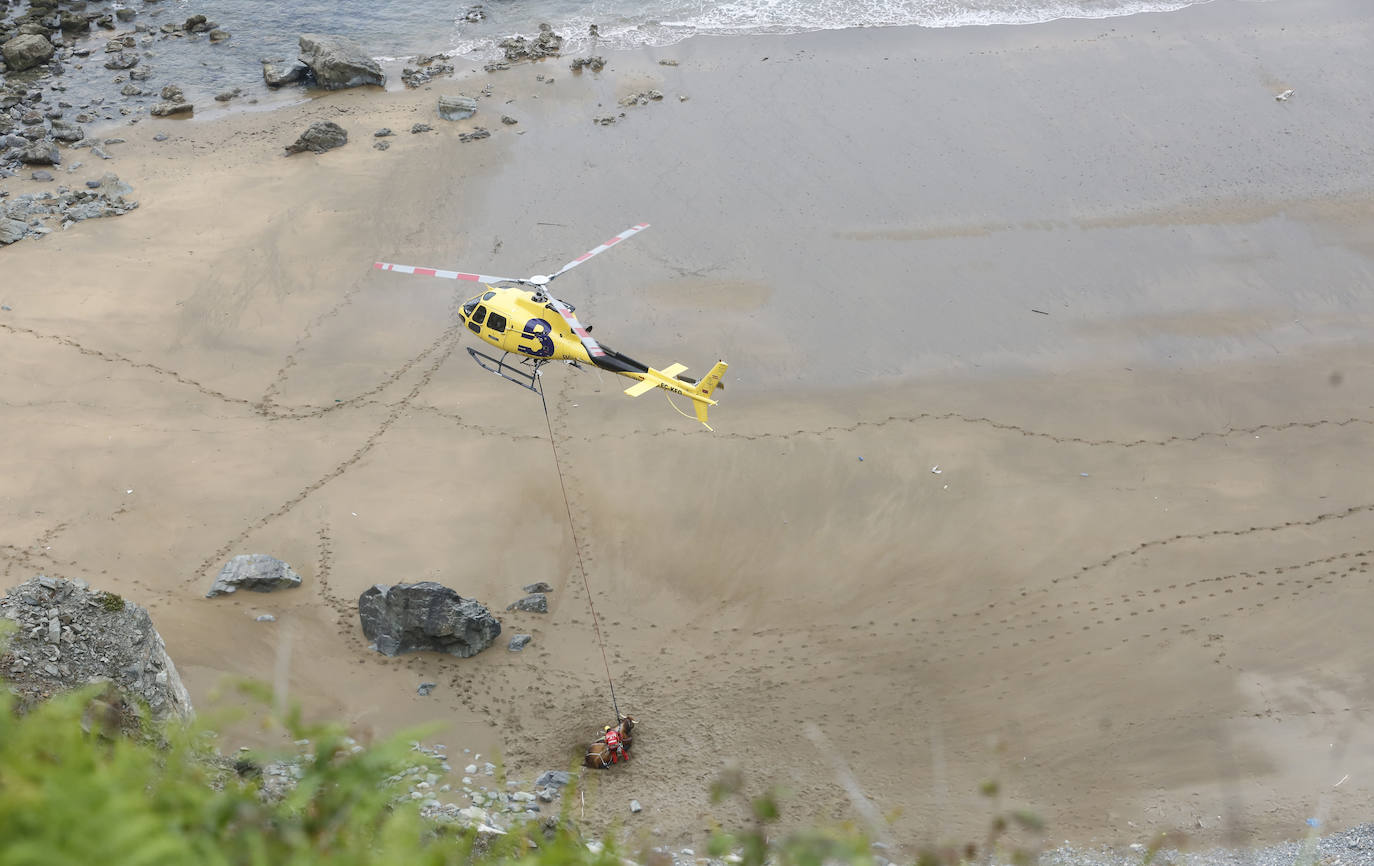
{"x": 525, "y": 320}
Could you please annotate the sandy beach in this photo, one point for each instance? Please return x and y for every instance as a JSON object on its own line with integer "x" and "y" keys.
{"x": 1090, "y": 271}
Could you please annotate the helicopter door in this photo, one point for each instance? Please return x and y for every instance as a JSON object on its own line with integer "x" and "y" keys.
{"x": 475, "y": 321}
{"x": 497, "y": 323}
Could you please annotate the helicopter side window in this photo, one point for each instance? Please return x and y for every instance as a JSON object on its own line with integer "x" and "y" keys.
{"x": 475, "y": 322}
{"x": 497, "y": 323}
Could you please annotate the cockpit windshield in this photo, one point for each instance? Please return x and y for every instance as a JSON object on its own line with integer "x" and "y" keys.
{"x": 472, "y": 304}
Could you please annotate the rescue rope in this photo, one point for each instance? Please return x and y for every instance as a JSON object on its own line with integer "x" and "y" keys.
{"x": 596, "y": 625}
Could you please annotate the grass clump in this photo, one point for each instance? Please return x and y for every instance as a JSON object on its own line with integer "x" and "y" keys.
{"x": 110, "y": 602}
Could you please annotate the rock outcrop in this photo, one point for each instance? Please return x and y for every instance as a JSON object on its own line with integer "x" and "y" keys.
{"x": 546, "y": 44}
{"x": 535, "y": 602}
{"x": 457, "y": 107}
{"x": 256, "y": 571}
{"x": 69, "y": 636}
{"x": 278, "y": 76}
{"x": 26, "y": 51}
{"x": 425, "y": 617}
{"x": 337, "y": 62}
{"x": 321, "y": 136}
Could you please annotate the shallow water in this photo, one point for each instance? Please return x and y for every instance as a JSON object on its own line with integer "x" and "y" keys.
{"x": 396, "y": 32}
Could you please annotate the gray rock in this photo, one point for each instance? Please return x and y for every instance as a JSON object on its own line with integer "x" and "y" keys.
{"x": 70, "y": 22}
{"x": 519, "y": 642}
{"x": 425, "y": 616}
{"x": 381, "y": 145}
{"x": 26, "y": 52}
{"x": 424, "y": 689}
{"x": 477, "y": 134}
{"x": 595, "y": 64}
{"x": 266, "y": 617}
{"x": 125, "y": 14}
{"x": 420, "y": 127}
{"x": 65, "y": 130}
{"x": 169, "y": 109}
{"x": 546, "y": 44}
{"x": 541, "y": 586}
{"x": 173, "y": 93}
{"x": 122, "y": 60}
{"x": 337, "y": 62}
{"x": 40, "y": 153}
{"x": 131, "y": 90}
{"x": 256, "y": 571}
{"x": 535, "y": 602}
{"x": 635, "y": 807}
{"x": 92, "y": 184}
{"x": 553, "y": 779}
{"x": 457, "y": 107}
{"x": 102, "y": 637}
{"x": 321, "y": 136}
{"x": 218, "y": 35}
{"x": 508, "y": 120}
{"x": 11, "y": 231}
{"x": 383, "y": 132}
{"x": 42, "y": 175}
{"x": 277, "y": 76}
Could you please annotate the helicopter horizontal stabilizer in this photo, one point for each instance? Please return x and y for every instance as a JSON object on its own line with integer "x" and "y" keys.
{"x": 643, "y": 386}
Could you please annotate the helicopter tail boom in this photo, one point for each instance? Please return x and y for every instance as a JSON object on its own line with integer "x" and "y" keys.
{"x": 700, "y": 393}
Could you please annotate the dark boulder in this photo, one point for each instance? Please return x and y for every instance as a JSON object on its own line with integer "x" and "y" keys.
{"x": 256, "y": 571}
{"x": 338, "y": 62}
{"x": 321, "y": 136}
{"x": 65, "y": 130}
{"x": 535, "y": 602}
{"x": 40, "y": 153}
{"x": 26, "y": 52}
{"x": 546, "y": 44}
{"x": 425, "y": 617}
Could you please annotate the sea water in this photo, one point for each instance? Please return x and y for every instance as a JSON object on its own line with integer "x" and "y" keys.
{"x": 395, "y": 32}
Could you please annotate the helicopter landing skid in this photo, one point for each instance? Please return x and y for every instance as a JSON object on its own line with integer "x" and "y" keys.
{"x": 525, "y": 374}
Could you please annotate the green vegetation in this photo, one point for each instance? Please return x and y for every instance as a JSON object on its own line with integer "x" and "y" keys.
{"x": 110, "y": 602}
{"x": 83, "y": 781}
{"x": 76, "y": 789}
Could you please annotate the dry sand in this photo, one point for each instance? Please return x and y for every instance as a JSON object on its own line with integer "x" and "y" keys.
{"x": 1137, "y": 592}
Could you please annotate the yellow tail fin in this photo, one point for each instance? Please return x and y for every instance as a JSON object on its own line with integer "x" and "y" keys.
{"x": 712, "y": 380}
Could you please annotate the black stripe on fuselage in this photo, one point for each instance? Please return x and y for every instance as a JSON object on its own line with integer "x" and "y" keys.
{"x": 618, "y": 363}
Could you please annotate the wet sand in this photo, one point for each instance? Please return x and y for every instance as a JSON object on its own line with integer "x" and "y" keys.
{"x": 1135, "y": 592}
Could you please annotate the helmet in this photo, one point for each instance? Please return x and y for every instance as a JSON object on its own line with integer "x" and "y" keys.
{"x": 607, "y": 728}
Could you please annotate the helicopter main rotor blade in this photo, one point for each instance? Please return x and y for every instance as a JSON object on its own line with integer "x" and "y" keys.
{"x": 447, "y": 275}
{"x": 634, "y": 230}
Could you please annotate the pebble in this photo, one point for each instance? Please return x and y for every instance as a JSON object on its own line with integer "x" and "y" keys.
{"x": 635, "y": 807}
{"x": 266, "y": 617}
